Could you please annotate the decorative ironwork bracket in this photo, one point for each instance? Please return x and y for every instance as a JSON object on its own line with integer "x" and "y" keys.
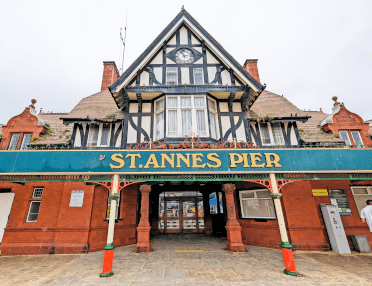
{"x": 121, "y": 185}
{"x": 267, "y": 183}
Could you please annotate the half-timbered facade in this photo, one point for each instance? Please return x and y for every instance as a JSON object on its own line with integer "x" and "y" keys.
{"x": 246, "y": 147}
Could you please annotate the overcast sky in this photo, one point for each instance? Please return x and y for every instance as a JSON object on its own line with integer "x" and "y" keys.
{"x": 308, "y": 50}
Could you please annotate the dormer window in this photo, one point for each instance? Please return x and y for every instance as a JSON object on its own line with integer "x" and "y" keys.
{"x": 271, "y": 134}
{"x": 172, "y": 76}
{"x": 344, "y": 134}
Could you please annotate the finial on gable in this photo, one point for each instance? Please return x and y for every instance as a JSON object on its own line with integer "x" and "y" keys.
{"x": 183, "y": 7}
{"x": 33, "y": 101}
{"x": 335, "y": 100}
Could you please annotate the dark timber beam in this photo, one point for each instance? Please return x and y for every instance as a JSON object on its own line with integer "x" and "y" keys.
{"x": 185, "y": 88}
{"x": 139, "y": 99}
{"x": 230, "y": 101}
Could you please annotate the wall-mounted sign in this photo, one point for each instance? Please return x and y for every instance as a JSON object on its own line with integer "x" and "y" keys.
{"x": 205, "y": 161}
{"x": 320, "y": 193}
{"x": 338, "y": 198}
{"x": 77, "y": 198}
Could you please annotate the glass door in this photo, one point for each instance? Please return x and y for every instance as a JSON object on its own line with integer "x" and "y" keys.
{"x": 181, "y": 212}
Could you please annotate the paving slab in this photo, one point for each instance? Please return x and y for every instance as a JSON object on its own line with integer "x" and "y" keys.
{"x": 180, "y": 260}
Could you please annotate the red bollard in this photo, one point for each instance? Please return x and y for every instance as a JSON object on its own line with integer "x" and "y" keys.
{"x": 290, "y": 267}
{"x": 107, "y": 261}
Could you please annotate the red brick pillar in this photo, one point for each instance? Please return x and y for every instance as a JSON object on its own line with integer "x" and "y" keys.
{"x": 143, "y": 229}
{"x": 233, "y": 228}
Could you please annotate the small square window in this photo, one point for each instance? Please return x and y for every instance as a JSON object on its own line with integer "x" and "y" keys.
{"x": 198, "y": 76}
{"x": 172, "y": 76}
{"x": 37, "y": 193}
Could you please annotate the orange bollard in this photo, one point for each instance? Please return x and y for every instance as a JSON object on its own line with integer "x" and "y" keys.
{"x": 290, "y": 267}
{"x": 107, "y": 261}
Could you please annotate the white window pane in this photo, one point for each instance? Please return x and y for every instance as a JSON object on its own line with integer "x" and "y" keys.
{"x": 186, "y": 122}
{"x": 159, "y": 105}
{"x": 172, "y": 76}
{"x": 172, "y": 122}
{"x": 26, "y": 141}
{"x": 211, "y": 104}
{"x": 105, "y": 134}
{"x": 213, "y": 125}
{"x": 185, "y": 101}
{"x": 265, "y": 135}
{"x": 277, "y": 134}
{"x": 357, "y": 139}
{"x": 13, "y": 145}
{"x": 258, "y": 208}
{"x": 199, "y": 102}
{"x": 172, "y": 102}
{"x": 159, "y": 130}
{"x": 200, "y": 123}
{"x": 198, "y": 76}
{"x": 345, "y": 136}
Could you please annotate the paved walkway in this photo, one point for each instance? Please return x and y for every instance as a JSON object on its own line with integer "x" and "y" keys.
{"x": 167, "y": 265}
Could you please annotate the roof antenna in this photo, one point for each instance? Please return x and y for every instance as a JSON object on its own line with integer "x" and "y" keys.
{"x": 123, "y": 41}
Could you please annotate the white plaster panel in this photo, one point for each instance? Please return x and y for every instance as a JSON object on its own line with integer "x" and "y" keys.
{"x": 293, "y": 136}
{"x": 146, "y": 107}
{"x": 133, "y": 107}
{"x": 225, "y": 121}
{"x": 134, "y": 83}
{"x": 199, "y": 61}
{"x": 145, "y": 78}
{"x": 77, "y": 138}
{"x": 240, "y": 132}
{"x": 224, "y": 107}
{"x": 183, "y": 36}
{"x": 132, "y": 96}
{"x": 118, "y": 140}
{"x": 226, "y": 79}
{"x": 170, "y": 61}
{"x": 185, "y": 75}
{"x": 211, "y": 73}
{"x": 199, "y": 49}
{"x": 146, "y": 125}
{"x": 253, "y": 127}
{"x": 170, "y": 49}
{"x": 158, "y": 59}
{"x": 194, "y": 41}
{"x": 173, "y": 41}
{"x": 211, "y": 59}
{"x": 237, "y": 107}
{"x": 236, "y": 83}
{"x": 132, "y": 133}
{"x": 158, "y": 72}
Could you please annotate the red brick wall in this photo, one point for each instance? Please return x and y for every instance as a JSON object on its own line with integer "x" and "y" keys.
{"x": 346, "y": 120}
{"x": 110, "y": 74}
{"x": 304, "y": 221}
{"x": 264, "y": 234}
{"x": 23, "y": 123}
{"x": 125, "y": 228}
{"x": 59, "y": 228}
{"x": 63, "y": 229}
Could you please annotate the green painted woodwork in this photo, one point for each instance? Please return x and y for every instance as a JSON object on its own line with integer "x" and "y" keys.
{"x": 286, "y": 245}
{"x": 109, "y": 247}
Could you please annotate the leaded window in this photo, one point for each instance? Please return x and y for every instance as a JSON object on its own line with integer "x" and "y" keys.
{"x": 277, "y": 134}
{"x": 14, "y": 139}
{"x": 26, "y": 141}
{"x": 198, "y": 76}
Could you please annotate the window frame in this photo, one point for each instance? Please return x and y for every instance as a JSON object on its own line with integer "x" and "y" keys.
{"x": 360, "y": 138}
{"x": 156, "y": 112}
{"x": 369, "y": 193}
{"x": 21, "y": 147}
{"x": 215, "y": 114}
{"x": 35, "y": 199}
{"x": 269, "y": 131}
{"x": 202, "y": 76}
{"x": 193, "y": 109}
{"x": 11, "y": 140}
{"x": 99, "y": 136}
{"x": 166, "y": 76}
{"x": 242, "y": 215}
{"x": 272, "y": 133}
{"x": 348, "y": 136}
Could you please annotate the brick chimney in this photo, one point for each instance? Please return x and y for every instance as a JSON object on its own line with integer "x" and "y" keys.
{"x": 110, "y": 74}
{"x": 251, "y": 67}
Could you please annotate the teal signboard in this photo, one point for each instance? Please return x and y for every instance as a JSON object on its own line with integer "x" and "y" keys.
{"x": 185, "y": 161}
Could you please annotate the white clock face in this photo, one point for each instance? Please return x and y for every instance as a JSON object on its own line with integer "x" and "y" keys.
{"x": 184, "y": 56}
